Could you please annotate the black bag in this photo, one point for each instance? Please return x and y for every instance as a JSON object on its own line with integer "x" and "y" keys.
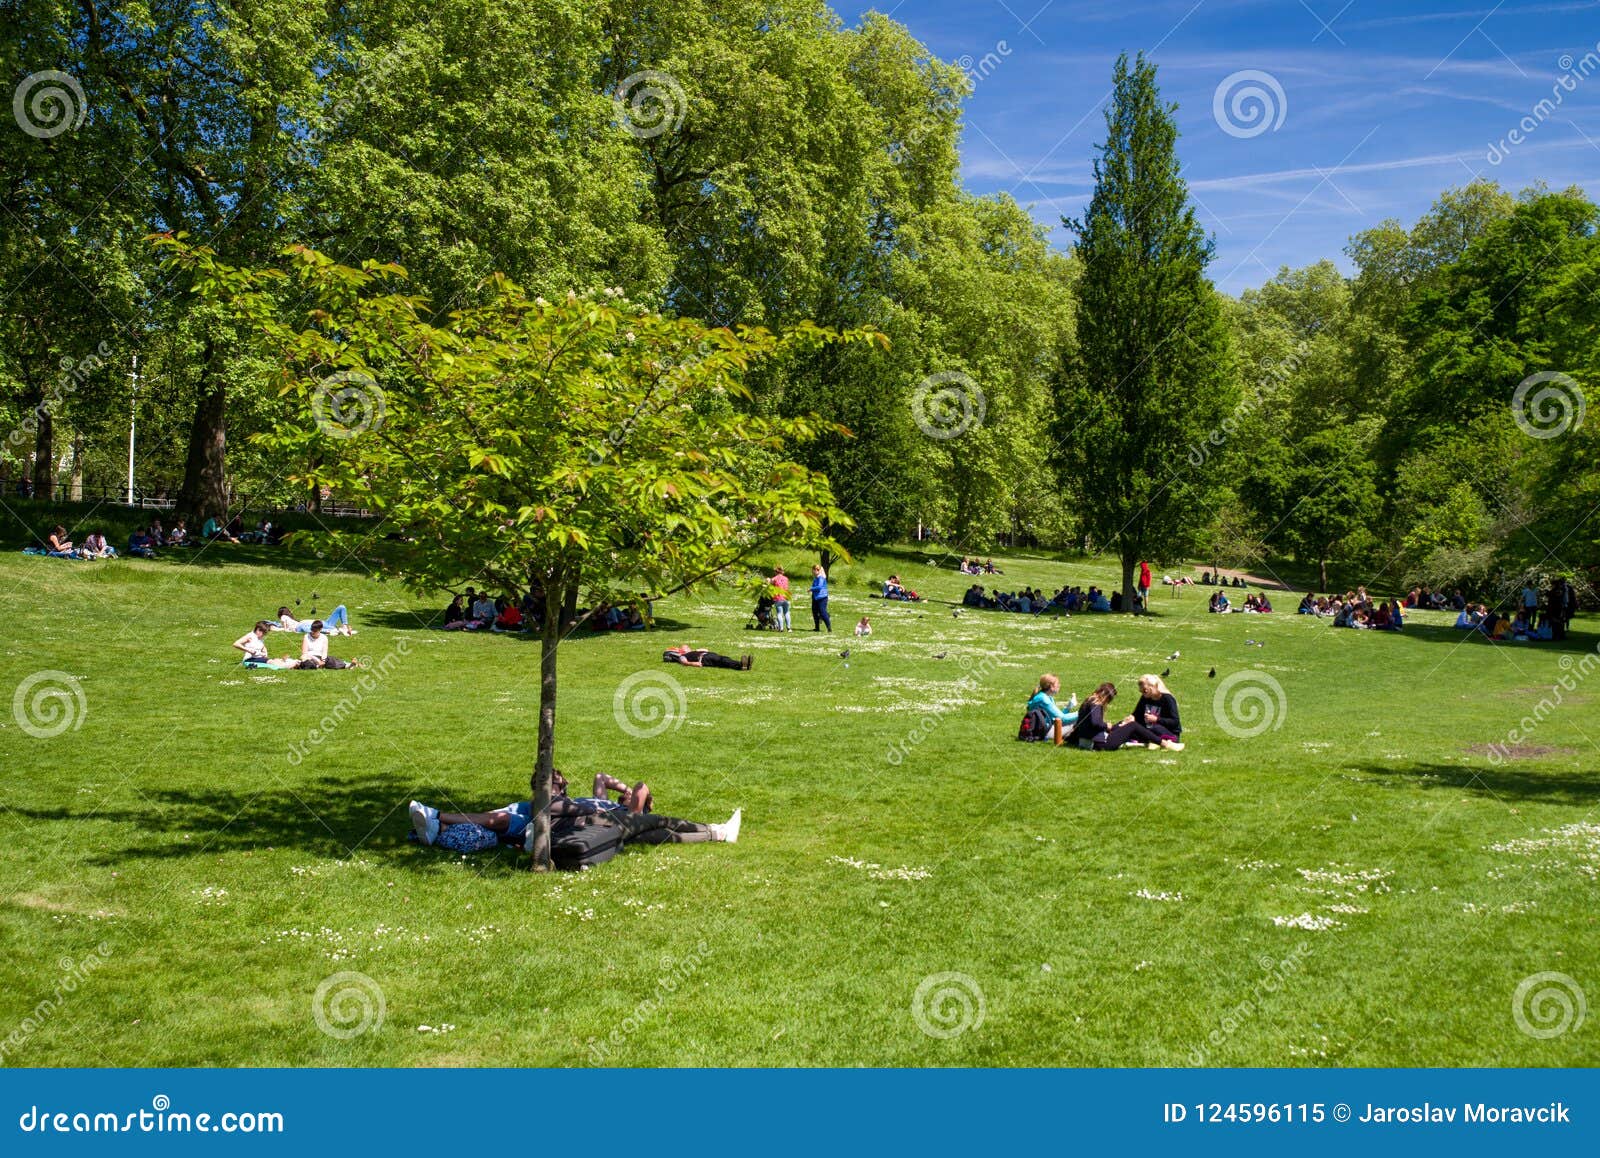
{"x": 586, "y": 845}
{"x": 1037, "y": 724}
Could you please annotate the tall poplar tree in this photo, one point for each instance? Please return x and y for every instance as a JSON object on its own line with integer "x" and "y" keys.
{"x": 1151, "y": 373}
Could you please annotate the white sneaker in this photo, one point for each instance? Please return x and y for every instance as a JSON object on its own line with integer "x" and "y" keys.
{"x": 1173, "y": 746}
{"x": 729, "y": 831}
{"x": 425, "y": 821}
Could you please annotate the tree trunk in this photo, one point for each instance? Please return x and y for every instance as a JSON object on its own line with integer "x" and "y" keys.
{"x": 44, "y": 453}
{"x": 1322, "y": 571}
{"x": 549, "y": 643}
{"x": 204, "y": 494}
{"x": 1130, "y": 562}
{"x": 76, "y": 493}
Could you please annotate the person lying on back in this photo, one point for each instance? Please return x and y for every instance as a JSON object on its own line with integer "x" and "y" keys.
{"x": 700, "y": 657}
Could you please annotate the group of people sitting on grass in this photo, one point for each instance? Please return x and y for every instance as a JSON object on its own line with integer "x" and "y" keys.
{"x": 631, "y": 814}
{"x": 1031, "y": 601}
{"x": 1530, "y": 620}
{"x": 1153, "y": 723}
{"x": 1253, "y": 604}
{"x": 233, "y": 531}
{"x": 313, "y": 648}
{"x": 1219, "y": 580}
{"x": 1355, "y": 609}
{"x": 480, "y": 611}
{"x": 894, "y": 589}
{"x": 973, "y": 567}
{"x": 145, "y": 541}
{"x": 1429, "y": 600}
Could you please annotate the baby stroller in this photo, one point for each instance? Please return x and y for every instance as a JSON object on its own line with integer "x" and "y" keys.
{"x": 761, "y": 617}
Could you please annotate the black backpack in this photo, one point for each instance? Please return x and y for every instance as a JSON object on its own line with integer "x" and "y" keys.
{"x": 585, "y": 845}
{"x": 1036, "y": 725}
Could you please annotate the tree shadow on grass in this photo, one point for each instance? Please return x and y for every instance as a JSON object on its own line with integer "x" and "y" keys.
{"x": 1505, "y": 781}
{"x": 331, "y": 817}
{"x": 429, "y": 619}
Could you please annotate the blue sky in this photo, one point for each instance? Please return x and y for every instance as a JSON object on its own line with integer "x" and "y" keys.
{"x": 1383, "y": 105}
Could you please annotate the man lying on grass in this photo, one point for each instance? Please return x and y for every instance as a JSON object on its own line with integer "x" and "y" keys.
{"x": 631, "y": 811}
{"x": 700, "y": 657}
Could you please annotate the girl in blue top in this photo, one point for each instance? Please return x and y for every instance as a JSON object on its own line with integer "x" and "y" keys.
{"x": 819, "y": 599}
{"x": 1045, "y": 700}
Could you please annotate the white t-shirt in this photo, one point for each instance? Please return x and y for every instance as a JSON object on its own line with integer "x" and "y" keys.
{"x": 253, "y": 645}
{"x": 288, "y": 622}
{"x": 483, "y": 609}
{"x": 314, "y": 647}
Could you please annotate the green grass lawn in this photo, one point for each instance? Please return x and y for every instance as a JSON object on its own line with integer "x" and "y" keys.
{"x": 185, "y": 835}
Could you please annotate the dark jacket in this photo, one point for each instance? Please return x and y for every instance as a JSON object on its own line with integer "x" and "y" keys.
{"x": 1167, "y": 708}
{"x": 1091, "y": 724}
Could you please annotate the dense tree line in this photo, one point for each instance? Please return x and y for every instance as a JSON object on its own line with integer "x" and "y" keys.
{"x": 746, "y": 162}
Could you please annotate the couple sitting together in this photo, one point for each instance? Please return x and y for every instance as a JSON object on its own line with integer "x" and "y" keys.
{"x": 631, "y": 812}
{"x": 1154, "y": 722}
{"x": 313, "y": 648}
{"x": 57, "y": 544}
{"x": 894, "y": 589}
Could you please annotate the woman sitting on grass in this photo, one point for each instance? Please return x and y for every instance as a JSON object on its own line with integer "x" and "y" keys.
{"x": 254, "y": 645}
{"x": 1158, "y": 708}
{"x": 96, "y": 547}
{"x": 1044, "y": 703}
{"x": 1091, "y": 730}
{"x": 314, "y": 652}
{"x": 58, "y": 545}
{"x": 141, "y": 544}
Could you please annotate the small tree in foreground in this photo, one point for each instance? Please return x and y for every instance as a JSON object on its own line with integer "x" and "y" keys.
{"x": 586, "y": 446}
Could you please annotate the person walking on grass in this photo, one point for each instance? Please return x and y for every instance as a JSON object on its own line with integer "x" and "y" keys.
{"x": 1144, "y": 587}
{"x": 819, "y": 599}
{"x": 780, "y": 600}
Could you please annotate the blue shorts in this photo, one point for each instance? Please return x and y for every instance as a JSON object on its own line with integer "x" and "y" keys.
{"x": 517, "y": 816}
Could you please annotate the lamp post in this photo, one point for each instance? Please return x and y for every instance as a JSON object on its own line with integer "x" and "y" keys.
{"x": 133, "y": 412}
